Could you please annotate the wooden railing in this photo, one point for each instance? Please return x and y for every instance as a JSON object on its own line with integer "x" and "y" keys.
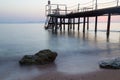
{"x": 62, "y": 9}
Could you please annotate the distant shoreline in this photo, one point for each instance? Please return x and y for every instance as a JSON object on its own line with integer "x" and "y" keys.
{"x": 37, "y": 22}
{"x": 19, "y": 22}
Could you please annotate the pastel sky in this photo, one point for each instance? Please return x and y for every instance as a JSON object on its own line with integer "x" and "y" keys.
{"x": 29, "y": 10}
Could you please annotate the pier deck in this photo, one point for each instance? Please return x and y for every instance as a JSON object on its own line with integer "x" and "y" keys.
{"x": 93, "y": 13}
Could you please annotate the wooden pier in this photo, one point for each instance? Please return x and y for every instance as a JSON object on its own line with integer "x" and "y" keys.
{"x": 57, "y": 18}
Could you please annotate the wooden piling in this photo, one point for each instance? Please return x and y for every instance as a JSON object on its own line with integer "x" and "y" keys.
{"x": 64, "y": 23}
{"x": 73, "y": 23}
{"x": 96, "y": 20}
{"x": 60, "y": 24}
{"x": 56, "y": 24}
{"x": 84, "y": 19}
{"x": 49, "y": 25}
{"x": 87, "y": 23}
{"x": 78, "y": 24}
{"x": 108, "y": 24}
{"x": 68, "y": 24}
{"x": 53, "y": 23}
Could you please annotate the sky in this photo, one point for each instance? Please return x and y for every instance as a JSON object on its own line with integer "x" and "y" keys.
{"x": 30, "y": 10}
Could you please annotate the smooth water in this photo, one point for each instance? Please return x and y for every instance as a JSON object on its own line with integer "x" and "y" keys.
{"x": 77, "y": 52}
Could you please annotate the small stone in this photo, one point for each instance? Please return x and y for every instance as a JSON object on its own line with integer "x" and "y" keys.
{"x": 110, "y": 63}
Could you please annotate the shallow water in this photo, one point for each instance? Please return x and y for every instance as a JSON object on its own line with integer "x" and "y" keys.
{"x": 77, "y": 52}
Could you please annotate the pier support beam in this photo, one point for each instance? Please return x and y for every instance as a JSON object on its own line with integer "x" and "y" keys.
{"x": 96, "y": 21}
{"x": 84, "y": 20}
{"x": 56, "y": 24}
{"x": 108, "y": 25}
{"x": 60, "y": 24}
{"x": 53, "y": 23}
{"x": 73, "y": 23}
{"x": 87, "y": 23}
{"x": 78, "y": 24}
{"x": 64, "y": 24}
{"x": 68, "y": 24}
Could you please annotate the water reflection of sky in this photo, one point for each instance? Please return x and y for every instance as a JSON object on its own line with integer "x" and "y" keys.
{"x": 82, "y": 50}
{"x": 77, "y": 52}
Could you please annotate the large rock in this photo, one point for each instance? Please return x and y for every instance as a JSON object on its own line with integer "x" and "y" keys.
{"x": 42, "y": 57}
{"x": 110, "y": 64}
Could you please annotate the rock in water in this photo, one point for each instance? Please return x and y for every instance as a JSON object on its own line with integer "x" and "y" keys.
{"x": 42, "y": 57}
{"x": 110, "y": 64}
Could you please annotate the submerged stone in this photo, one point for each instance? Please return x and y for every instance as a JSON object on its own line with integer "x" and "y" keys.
{"x": 42, "y": 57}
{"x": 110, "y": 64}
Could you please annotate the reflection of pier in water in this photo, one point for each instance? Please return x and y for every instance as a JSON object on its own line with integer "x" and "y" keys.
{"x": 90, "y": 36}
{"x": 75, "y": 41}
{"x": 59, "y": 16}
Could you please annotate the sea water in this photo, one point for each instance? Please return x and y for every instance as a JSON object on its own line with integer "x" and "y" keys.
{"x": 77, "y": 52}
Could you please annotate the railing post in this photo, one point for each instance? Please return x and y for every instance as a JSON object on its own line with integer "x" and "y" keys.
{"x": 65, "y": 9}
{"x": 117, "y": 2}
{"x": 93, "y": 4}
{"x": 78, "y": 6}
{"x": 46, "y": 10}
{"x": 96, "y": 5}
{"x": 57, "y": 8}
{"x": 49, "y": 7}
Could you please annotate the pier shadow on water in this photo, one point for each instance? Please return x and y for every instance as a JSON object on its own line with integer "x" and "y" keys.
{"x": 73, "y": 41}
{"x": 85, "y": 36}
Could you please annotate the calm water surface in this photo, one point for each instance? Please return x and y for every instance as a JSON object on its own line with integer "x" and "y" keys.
{"x": 77, "y": 52}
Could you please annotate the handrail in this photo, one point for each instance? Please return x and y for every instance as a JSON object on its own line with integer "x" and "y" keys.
{"x": 91, "y": 5}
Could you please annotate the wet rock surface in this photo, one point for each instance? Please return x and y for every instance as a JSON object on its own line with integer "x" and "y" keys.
{"x": 42, "y": 57}
{"x": 110, "y": 63}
